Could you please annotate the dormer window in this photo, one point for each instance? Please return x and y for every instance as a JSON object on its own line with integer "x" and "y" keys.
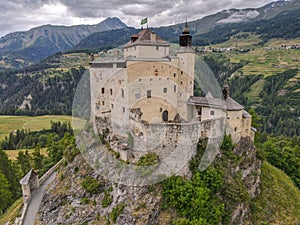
{"x": 133, "y": 38}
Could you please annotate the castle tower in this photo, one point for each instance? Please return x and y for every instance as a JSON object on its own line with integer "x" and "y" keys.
{"x": 185, "y": 39}
{"x": 186, "y": 63}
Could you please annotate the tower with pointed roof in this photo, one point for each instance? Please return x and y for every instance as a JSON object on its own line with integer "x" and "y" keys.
{"x": 185, "y": 39}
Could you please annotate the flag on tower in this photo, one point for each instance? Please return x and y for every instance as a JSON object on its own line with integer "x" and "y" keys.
{"x": 143, "y": 21}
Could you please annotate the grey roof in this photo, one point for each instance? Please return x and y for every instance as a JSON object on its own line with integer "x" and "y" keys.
{"x": 26, "y": 179}
{"x": 254, "y": 129}
{"x": 229, "y": 104}
{"x": 205, "y": 101}
{"x": 246, "y": 114}
{"x": 233, "y": 105}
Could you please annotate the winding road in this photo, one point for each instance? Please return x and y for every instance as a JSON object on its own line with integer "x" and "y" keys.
{"x": 37, "y": 196}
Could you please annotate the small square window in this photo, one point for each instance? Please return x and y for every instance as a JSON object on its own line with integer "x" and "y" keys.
{"x": 165, "y": 90}
{"x": 103, "y": 103}
{"x": 157, "y": 47}
{"x": 149, "y": 94}
{"x": 212, "y": 113}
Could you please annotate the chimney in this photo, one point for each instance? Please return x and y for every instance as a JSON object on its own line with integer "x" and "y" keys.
{"x": 153, "y": 36}
{"x": 225, "y": 90}
{"x": 92, "y": 57}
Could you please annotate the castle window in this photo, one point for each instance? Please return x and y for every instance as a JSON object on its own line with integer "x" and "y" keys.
{"x": 150, "y": 79}
{"x": 149, "y": 94}
{"x": 102, "y": 90}
{"x": 103, "y": 103}
{"x": 190, "y": 82}
{"x": 175, "y": 88}
{"x": 165, "y": 90}
{"x": 235, "y": 129}
{"x": 160, "y": 109}
{"x": 181, "y": 72}
{"x": 112, "y": 106}
{"x": 174, "y": 74}
{"x": 122, "y": 93}
{"x": 212, "y": 113}
{"x": 123, "y": 109}
{"x": 157, "y": 47}
{"x": 140, "y": 80}
{"x": 181, "y": 82}
{"x": 111, "y": 91}
{"x": 97, "y": 107}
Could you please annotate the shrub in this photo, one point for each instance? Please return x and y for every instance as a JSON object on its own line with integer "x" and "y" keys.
{"x": 148, "y": 159}
{"x": 91, "y": 185}
{"x": 107, "y": 199}
{"x": 116, "y": 212}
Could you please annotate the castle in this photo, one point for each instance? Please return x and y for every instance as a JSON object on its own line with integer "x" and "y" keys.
{"x": 148, "y": 85}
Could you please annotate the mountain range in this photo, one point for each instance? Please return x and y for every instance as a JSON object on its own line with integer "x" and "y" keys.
{"x": 20, "y": 49}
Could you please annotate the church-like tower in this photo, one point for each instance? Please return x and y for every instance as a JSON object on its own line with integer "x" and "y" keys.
{"x": 185, "y": 39}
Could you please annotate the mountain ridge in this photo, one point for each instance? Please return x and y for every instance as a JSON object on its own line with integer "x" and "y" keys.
{"x": 20, "y": 49}
{"x": 40, "y": 42}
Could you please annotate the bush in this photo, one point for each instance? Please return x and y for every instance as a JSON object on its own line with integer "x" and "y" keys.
{"x": 116, "y": 212}
{"x": 91, "y": 185}
{"x": 85, "y": 201}
{"x": 148, "y": 159}
{"x": 107, "y": 199}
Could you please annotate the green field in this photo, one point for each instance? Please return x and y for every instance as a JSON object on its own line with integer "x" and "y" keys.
{"x": 11, "y": 123}
{"x": 279, "y": 201}
{"x": 251, "y": 41}
{"x": 267, "y": 62}
{"x": 12, "y": 154}
{"x": 261, "y": 60}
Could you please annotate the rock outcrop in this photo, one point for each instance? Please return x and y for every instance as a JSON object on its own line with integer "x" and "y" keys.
{"x": 67, "y": 202}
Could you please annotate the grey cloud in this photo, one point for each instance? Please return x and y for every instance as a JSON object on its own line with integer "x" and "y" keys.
{"x": 17, "y": 14}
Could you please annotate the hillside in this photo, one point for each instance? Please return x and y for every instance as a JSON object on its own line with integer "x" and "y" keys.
{"x": 45, "y": 88}
{"x": 279, "y": 201}
{"x": 21, "y": 49}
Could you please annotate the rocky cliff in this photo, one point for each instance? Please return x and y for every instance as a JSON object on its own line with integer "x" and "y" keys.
{"x": 81, "y": 196}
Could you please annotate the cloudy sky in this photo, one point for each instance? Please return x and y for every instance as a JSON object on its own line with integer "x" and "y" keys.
{"x": 21, "y": 15}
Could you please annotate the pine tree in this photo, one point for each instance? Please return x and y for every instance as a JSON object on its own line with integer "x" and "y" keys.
{"x": 37, "y": 158}
{"x": 5, "y": 194}
{"x": 23, "y": 161}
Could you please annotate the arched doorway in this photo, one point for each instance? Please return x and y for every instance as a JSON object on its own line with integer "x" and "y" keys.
{"x": 165, "y": 116}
